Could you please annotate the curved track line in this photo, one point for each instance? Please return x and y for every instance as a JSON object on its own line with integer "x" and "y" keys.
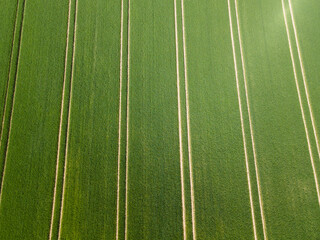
{"x": 180, "y": 124}
{"x": 68, "y": 125}
{"x": 304, "y": 79}
{"x": 250, "y": 125}
{"x": 300, "y": 102}
{"x": 60, "y": 127}
{"x": 242, "y": 124}
{"x": 193, "y": 209}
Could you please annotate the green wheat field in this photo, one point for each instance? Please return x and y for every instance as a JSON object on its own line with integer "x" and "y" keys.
{"x": 160, "y": 119}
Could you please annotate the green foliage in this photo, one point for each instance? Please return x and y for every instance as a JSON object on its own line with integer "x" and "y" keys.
{"x": 34, "y": 65}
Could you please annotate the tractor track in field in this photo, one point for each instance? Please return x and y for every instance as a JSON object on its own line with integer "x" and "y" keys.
{"x": 13, "y": 101}
{"x": 68, "y": 121}
{"x": 242, "y": 124}
{"x": 9, "y": 73}
{"x": 193, "y": 208}
{"x": 60, "y": 125}
{"x": 127, "y": 129}
{"x": 300, "y": 103}
{"x": 304, "y": 78}
{"x": 180, "y": 123}
{"x": 251, "y": 125}
{"x": 120, "y": 120}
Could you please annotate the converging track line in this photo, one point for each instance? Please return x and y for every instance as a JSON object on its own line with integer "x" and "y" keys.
{"x": 300, "y": 102}
{"x": 119, "y": 133}
{"x": 127, "y": 137}
{"x": 9, "y": 73}
{"x": 250, "y": 124}
{"x": 180, "y": 124}
{"x": 304, "y": 79}
{"x": 60, "y": 127}
{"x": 13, "y": 101}
{"x": 242, "y": 124}
{"x": 68, "y": 124}
{"x": 193, "y": 211}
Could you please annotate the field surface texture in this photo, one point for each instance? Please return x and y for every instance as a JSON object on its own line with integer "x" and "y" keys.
{"x": 159, "y": 120}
